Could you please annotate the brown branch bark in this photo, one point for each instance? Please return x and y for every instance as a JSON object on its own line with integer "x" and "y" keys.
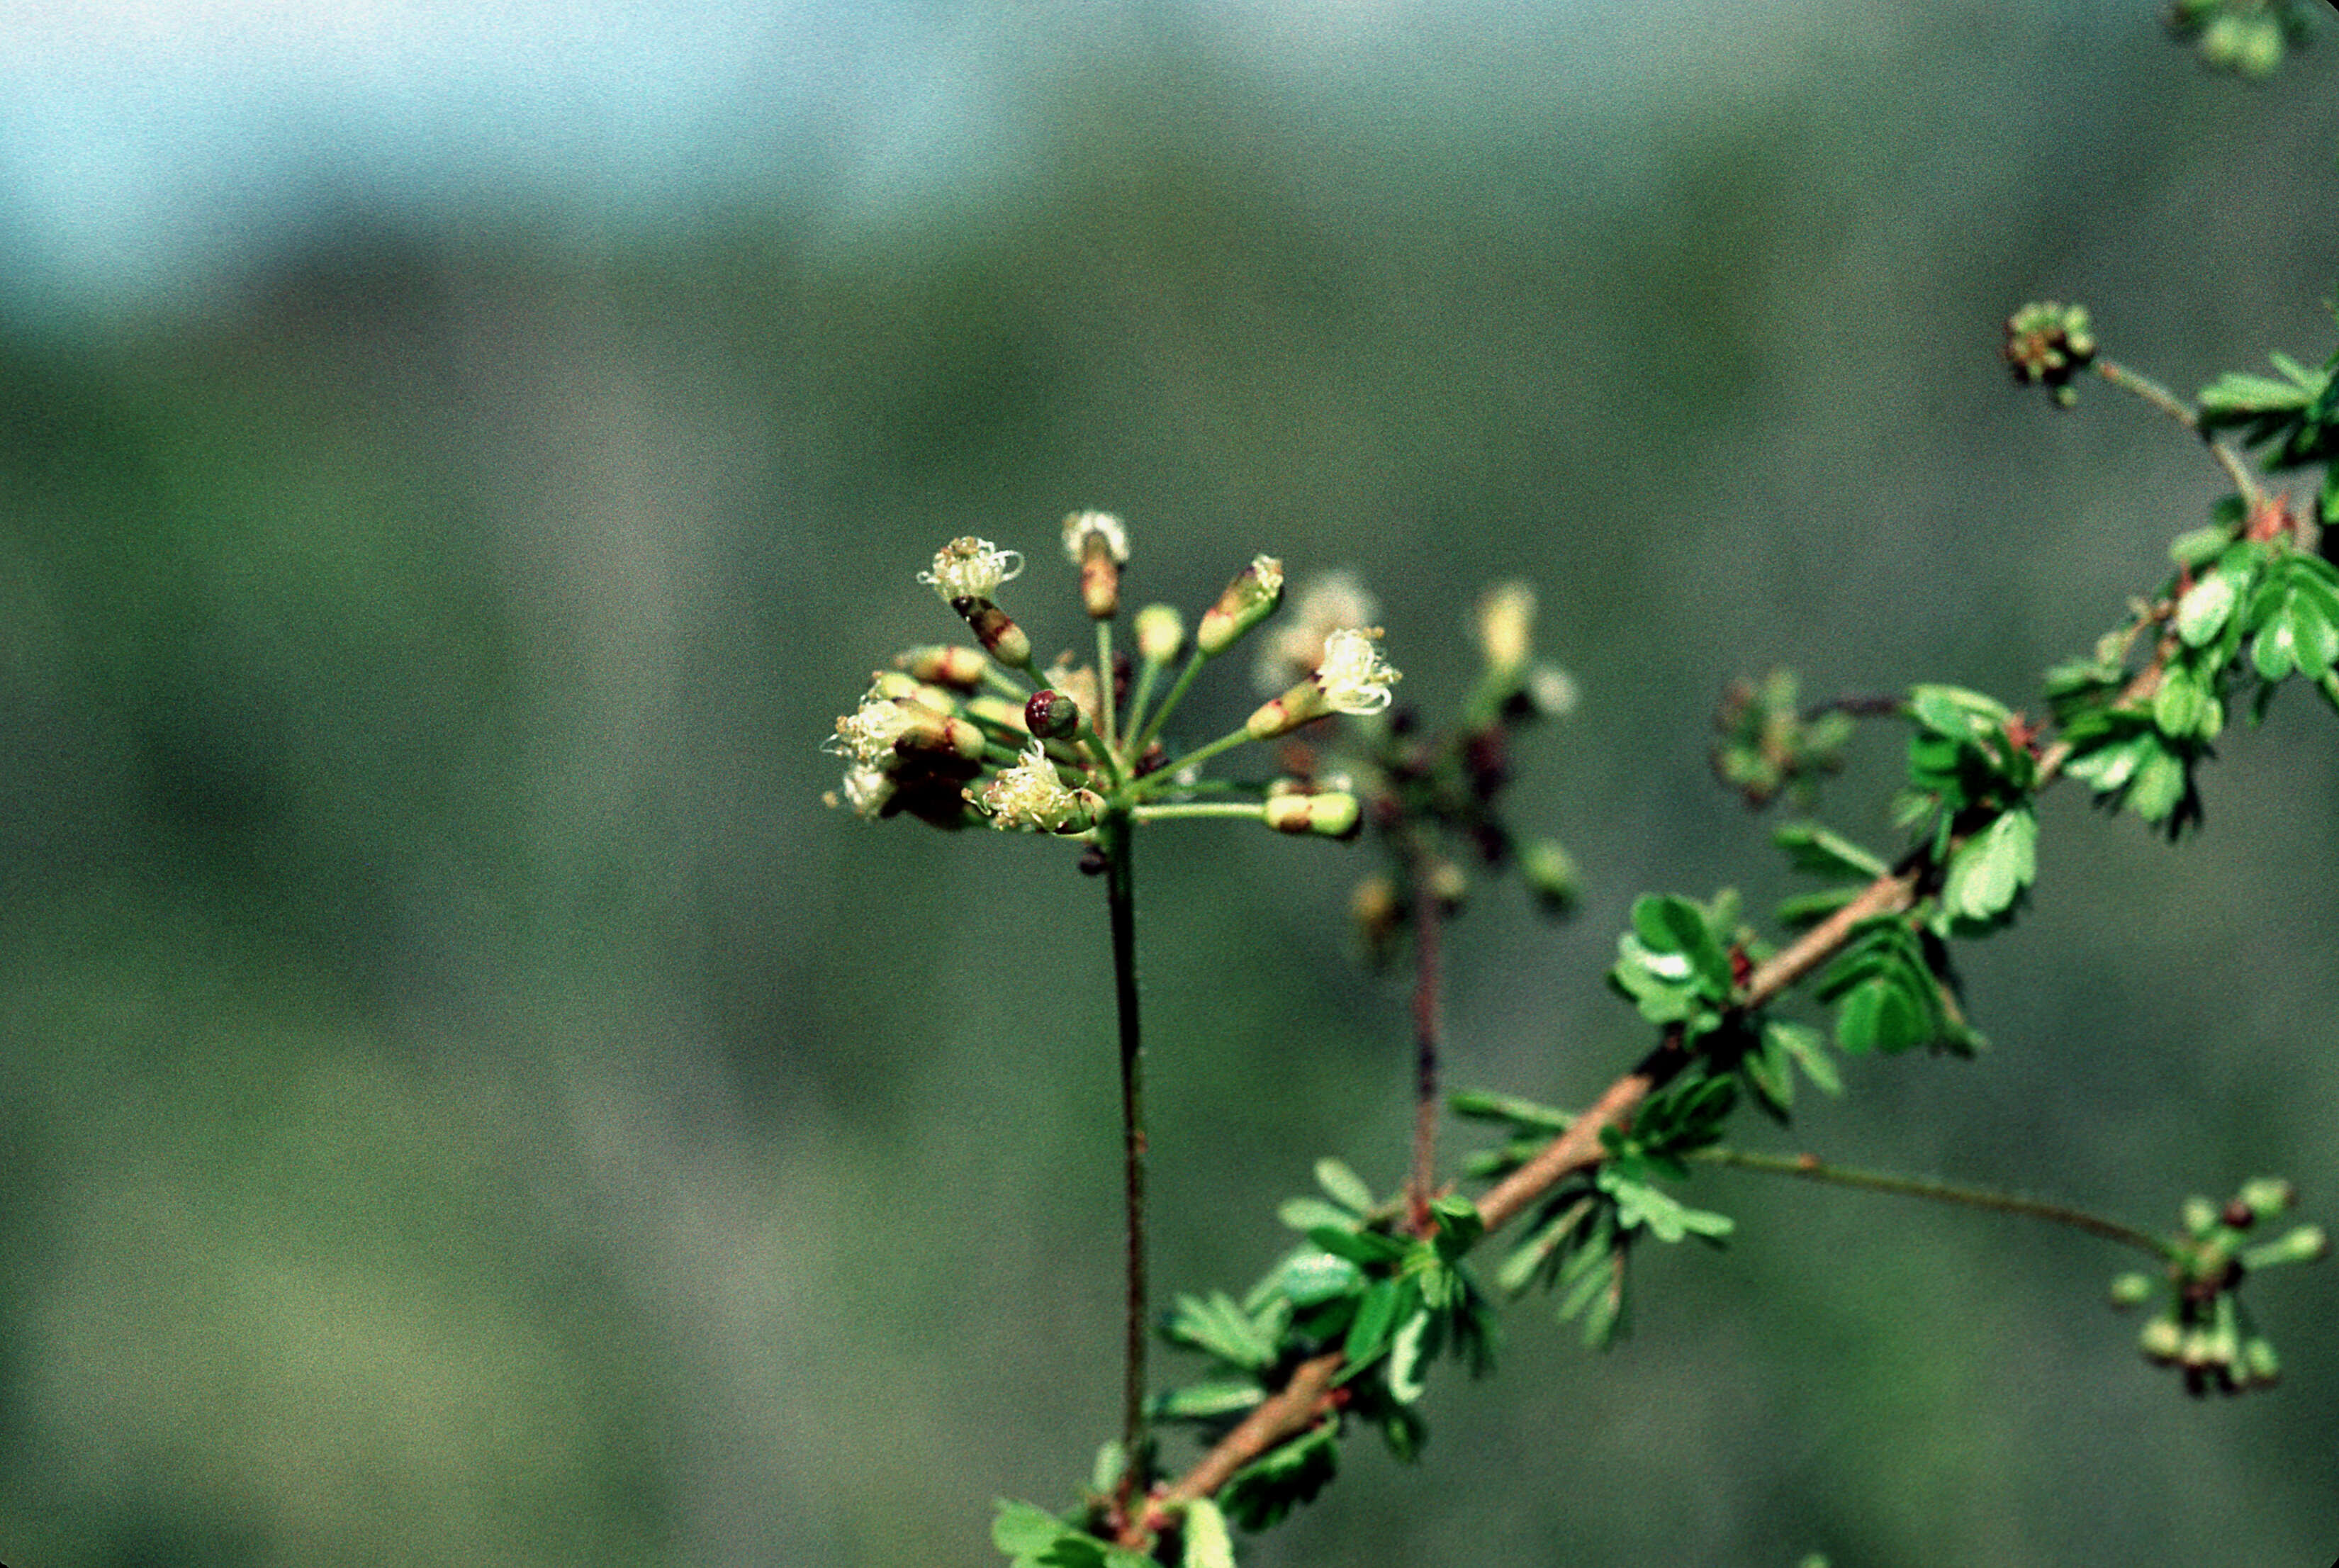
{"x": 1309, "y": 1396}
{"x": 1298, "y": 1405}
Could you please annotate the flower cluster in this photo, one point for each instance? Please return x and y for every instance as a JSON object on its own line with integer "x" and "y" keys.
{"x": 2048, "y": 344}
{"x": 2202, "y": 1329}
{"x": 958, "y": 736}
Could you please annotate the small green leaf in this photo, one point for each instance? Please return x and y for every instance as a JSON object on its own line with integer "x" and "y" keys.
{"x": 1480, "y": 1104}
{"x": 1803, "y": 1045}
{"x": 1406, "y": 1359}
{"x": 1205, "y": 1402}
{"x": 1217, "y": 1326}
{"x": 1208, "y": 1543}
{"x": 2207, "y": 606}
{"x": 1587, "y": 1274}
{"x": 1991, "y": 870}
{"x": 1375, "y": 1320}
{"x": 1880, "y": 1016}
{"x": 1519, "y": 1269}
{"x": 1664, "y": 1217}
{"x": 1022, "y": 1530}
{"x": 1956, "y": 712}
{"x": 1368, "y": 1249}
{"x": 1344, "y": 1186}
{"x": 2158, "y": 785}
{"x": 1666, "y": 925}
{"x": 1308, "y": 1276}
{"x": 1814, "y": 849}
{"x": 1403, "y": 1429}
{"x": 1459, "y": 1227}
{"x": 2200, "y": 547}
{"x": 2184, "y": 705}
{"x": 1304, "y": 1214}
{"x": 2108, "y": 768}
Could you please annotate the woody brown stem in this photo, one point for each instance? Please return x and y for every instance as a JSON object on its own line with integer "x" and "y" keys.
{"x": 1425, "y": 926}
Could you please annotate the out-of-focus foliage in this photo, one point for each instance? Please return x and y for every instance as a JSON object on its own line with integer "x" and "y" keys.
{"x": 465, "y": 1101}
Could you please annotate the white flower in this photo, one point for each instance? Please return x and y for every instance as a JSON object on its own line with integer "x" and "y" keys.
{"x": 1325, "y": 601}
{"x": 868, "y": 733}
{"x": 1080, "y": 525}
{"x": 1030, "y": 795}
{"x": 971, "y": 569}
{"x": 1353, "y": 677}
{"x": 868, "y": 789}
{"x": 1552, "y": 690}
{"x": 1506, "y": 624}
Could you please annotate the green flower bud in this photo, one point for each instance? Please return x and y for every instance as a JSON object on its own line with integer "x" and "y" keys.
{"x": 1248, "y": 600}
{"x": 2162, "y": 1341}
{"x": 2266, "y": 1197}
{"x": 1506, "y": 625}
{"x": 1160, "y": 633}
{"x": 1379, "y": 915}
{"x": 2131, "y": 1290}
{"x": 1550, "y": 874}
{"x": 2304, "y": 1244}
{"x": 1051, "y": 715}
{"x": 1333, "y": 814}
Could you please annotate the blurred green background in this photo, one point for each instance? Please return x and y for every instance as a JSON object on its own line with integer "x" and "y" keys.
{"x": 467, "y": 1102}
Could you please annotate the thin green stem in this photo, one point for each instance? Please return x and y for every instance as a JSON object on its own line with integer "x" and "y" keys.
{"x": 1175, "y": 810}
{"x": 1000, "y": 679}
{"x": 1106, "y": 722}
{"x": 1167, "y": 776}
{"x": 1194, "y": 664}
{"x": 2138, "y": 385}
{"x": 1146, "y": 678}
{"x": 1120, "y": 892}
{"x": 1813, "y": 1170}
{"x": 1102, "y": 747}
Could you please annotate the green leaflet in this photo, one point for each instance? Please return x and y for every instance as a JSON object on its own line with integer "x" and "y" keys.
{"x": 1991, "y": 871}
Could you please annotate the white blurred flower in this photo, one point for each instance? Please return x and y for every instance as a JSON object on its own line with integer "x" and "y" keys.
{"x": 1080, "y": 525}
{"x": 1325, "y": 602}
{"x": 971, "y": 569}
{"x": 1353, "y": 677}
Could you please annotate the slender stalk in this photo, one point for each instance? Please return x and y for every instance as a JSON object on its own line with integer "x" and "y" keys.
{"x": 1133, "y": 722}
{"x": 1252, "y": 810}
{"x": 1425, "y": 1040}
{"x": 1121, "y": 894}
{"x": 1005, "y": 682}
{"x": 1811, "y": 1168}
{"x": 1106, "y": 719}
{"x": 2139, "y": 385}
{"x": 1194, "y": 663}
{"x": 1227, "y": 742}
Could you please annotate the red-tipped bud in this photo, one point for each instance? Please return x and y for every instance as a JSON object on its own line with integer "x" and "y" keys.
{"x": 1051, "y": 715}
{"x": 1248, "y": 600}
{"x": 951, "y": 664}
{"x": 996, "y": 632}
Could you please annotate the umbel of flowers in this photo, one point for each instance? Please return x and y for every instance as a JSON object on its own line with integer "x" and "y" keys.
{"x": 957, "y": 735}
